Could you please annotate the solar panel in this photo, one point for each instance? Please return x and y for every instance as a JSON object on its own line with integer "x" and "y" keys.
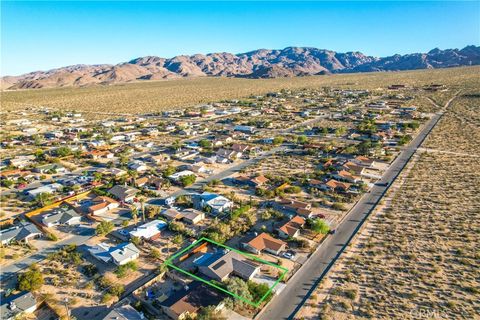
{"x": 218, "y": 265}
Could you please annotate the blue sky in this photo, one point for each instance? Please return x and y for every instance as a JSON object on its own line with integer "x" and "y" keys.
{"x": 41, "y": 35}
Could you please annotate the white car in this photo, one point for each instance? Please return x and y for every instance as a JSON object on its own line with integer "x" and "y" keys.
{"x": 289, "y": 255}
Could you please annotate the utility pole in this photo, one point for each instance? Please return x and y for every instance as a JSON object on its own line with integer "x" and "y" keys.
{"x": 66, "y": 308}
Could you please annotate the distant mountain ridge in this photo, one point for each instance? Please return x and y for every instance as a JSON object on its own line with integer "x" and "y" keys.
{"x": 262, "y": 63}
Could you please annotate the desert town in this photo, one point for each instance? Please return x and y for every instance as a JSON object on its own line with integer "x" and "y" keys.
{"x": 187, "y": 213}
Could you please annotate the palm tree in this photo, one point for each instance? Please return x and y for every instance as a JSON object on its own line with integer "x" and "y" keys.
{"x": 135, "y": 214}
{"x": 142, "y": 203}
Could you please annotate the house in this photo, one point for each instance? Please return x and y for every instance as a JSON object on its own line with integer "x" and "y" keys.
{"x": 119, "y": 255}
{"x": 18, "y": 305}
{"x": 212, "y": 203}
{"x": 149, "y": 231}
{"x": 337, "y": 186}
{"x": 159, "y": 159}
{"x": 259, "y": 181}
{"x": 353, "y": 167}
{"x": 192, "y": 216}
{"x": 21, "y": 161}
{"x": 255, "y": 182}
{"x": 265, "y": 242}
{"x": 343, "y": 175}
{"x": 56, "y": 168}
{"x": 228, "y": 154}
{"x": 244, "y": 129}
{"x": 314, "y": 183}
{"x": 61, "y": 216}
{"x": 23, "y": 232}
{"x": 49, "y": 188}
{"x": 13, "y": 175}
{"x": 113, "y": 172}
{"x": 156, "y": 182}
{"x": 291, "y": 229}
{"x": 195, "y": 168}
{"x": 171, "y": 214}
{"x": 99, "y": 154}
{"x": 123, "y": 193}
{"x": 102, "y": 204}
{"x": 222, "y": 140}
{"x": 186, "y": 302}
{"x": 220, "y": 265}
{"x": 364, "y": 161}
{"x": 177, "y": 175}
{"x": 125, "y": 312}
{"x": 294, "y": 206}
{"x": 140, "y": 182}
{"x": 242, "y": 148}
{"x": 137, "y": 166}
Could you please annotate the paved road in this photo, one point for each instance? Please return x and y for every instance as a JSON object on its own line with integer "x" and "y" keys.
{"x": 197, "y": 186}
{"x": 303, "y": 283}
{"x": 10, "y": 270}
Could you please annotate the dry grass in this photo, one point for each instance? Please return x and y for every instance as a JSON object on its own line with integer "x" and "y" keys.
{"x": 166, "y": 95}
{"x": 418, "y": 256}
{"x": 458, "y": 131}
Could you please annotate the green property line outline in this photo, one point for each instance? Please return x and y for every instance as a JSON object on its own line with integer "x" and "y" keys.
{"x": 169, "y": 263}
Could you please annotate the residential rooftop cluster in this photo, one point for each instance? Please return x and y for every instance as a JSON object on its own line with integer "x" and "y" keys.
{"x": 91, "y": 210}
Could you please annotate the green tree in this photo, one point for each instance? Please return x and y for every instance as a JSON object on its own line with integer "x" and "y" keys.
{"x": 302, "y": 139}
{"x": 63, "y": 152}
{"x": 125, "y": 269}
{"x": 240, "y": 288}
{"x": 39, "y": 155}
{"x": 204, "y": 143}
{"x": 209, "y": 313}
{"x": 169, "y": 170}
{"x": 7, "y": 183}
{"x": 135, "y": 240}
{"x": 104, "y": 227}
{"x": 188, "y": 180}
{"x": 340, "y": 131}
{"x": 31, "y": 280}
{"x": 155, "y": 253}
{"x": 278, "y": 140}
{"x": 319, "y": 226}
{"x": 43, "y": 199}
{"x": 177, "y": 239}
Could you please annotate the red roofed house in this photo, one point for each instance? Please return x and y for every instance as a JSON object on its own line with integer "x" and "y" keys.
{"x": 294, "y": 206}
{"x": 364, "y": 161}
{"x": 102, "y": 204}
{"x": 265, "y": 242}
{"x": 291, "y": 229}
{"x": 335, "y": 185}
{"x": 346, "y": 176}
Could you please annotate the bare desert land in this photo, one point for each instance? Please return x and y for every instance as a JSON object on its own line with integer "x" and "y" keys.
{"x": 137, "y": 98}
{"x": 417, "y": 257}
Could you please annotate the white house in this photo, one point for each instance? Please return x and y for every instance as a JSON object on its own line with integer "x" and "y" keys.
{"x": 61, "y": 216}
{"x": 149, "y": 230}
{"x": 177, "y": 175}
{"x": 216, "y": 203}
{"x": 120, "y": 254}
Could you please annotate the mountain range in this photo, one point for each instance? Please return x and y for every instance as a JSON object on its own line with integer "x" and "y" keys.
{"x": 262, "y": 63}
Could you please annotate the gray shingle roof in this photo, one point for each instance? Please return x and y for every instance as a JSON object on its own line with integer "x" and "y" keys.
{"x": 19, "y": 232}
{"x": 17, "y": 304}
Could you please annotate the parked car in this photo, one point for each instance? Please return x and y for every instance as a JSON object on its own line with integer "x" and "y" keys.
{"x": 332, "y": 231}
{"x": 289, "y": 254}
